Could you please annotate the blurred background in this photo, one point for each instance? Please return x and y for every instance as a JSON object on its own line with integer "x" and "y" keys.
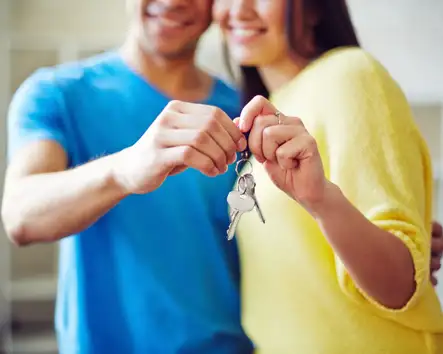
{"x": 405, "y": 35}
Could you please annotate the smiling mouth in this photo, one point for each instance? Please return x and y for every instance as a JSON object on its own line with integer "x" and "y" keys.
{"x": 168, "y": 20}
{"x": 244, "y": 34}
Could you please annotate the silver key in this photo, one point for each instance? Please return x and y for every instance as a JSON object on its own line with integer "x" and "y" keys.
{"x": 240, "y": 203}
{"x": 246, "y": 184}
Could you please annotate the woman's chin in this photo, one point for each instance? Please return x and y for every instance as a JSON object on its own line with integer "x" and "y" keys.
{"x": 247, "y": 60}
{"x": 244, "y": 57}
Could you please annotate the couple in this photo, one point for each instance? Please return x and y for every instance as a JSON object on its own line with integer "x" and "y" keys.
{"x": 99, "y": 150}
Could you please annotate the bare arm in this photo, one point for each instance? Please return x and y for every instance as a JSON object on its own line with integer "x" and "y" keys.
{"x": 378, "y": 261}
{"x": 374, "y": 216}
{"x": 45, "y": 202}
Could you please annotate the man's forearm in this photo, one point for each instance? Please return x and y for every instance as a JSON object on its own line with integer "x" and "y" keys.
{"x": 379, "y": 263}
{"x": 49, "y": 206}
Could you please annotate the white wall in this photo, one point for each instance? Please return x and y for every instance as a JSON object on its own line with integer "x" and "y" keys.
{"x": 407, "y": 35}
{"x": 4, "y": 98}
{"x": 69, "y": 18}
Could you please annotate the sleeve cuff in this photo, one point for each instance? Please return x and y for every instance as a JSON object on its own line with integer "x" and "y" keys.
{"x": 413, "y": 238}
{"x": 33, "y": 136}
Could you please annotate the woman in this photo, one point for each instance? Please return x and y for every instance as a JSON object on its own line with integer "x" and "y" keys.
{"x": 342, "y": 263}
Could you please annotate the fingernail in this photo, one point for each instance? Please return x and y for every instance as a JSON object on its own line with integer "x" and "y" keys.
{"x": 226, "y": 169}
{"x": 242, "y": 143}
{"x": 215, "y": 171}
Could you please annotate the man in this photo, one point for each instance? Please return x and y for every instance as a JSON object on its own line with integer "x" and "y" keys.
{"x": 148, "y": 269}
{"x": 155, "y": 274}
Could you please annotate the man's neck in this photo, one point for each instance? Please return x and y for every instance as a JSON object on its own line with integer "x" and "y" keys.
{"x": 177, "y": 78}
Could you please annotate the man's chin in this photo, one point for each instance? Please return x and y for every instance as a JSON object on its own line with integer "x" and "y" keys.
{"x": 170, "y": 52}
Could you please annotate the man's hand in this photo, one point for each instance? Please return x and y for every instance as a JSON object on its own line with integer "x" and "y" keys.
{"x": 183, "y": 135}
{"x": 436, "y": 250}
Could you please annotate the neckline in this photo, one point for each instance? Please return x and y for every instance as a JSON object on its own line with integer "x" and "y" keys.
{"x": 121, "y": 63}
{"x": 306, "y": 69}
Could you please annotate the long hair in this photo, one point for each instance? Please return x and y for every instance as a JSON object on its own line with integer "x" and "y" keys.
{"x": 334, "y": 29}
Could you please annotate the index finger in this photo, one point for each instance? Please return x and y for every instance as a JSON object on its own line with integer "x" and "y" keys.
{"x": 232, "y": 129}
{"x": 195, "y": 109}
{"x": 256, "y": 107}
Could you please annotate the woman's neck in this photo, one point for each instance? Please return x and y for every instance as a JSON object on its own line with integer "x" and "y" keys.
{"x": 282, "y": 72}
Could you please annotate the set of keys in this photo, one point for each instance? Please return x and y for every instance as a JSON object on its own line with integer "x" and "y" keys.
{"x": 243, "y": 199}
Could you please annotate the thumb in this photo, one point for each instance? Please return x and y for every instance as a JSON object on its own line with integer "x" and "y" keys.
{"x": 256, "y": 107}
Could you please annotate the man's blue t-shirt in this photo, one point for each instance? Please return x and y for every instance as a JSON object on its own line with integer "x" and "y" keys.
{"x": 156, "y": 274}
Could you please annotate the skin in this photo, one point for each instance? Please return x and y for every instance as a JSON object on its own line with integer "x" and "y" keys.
{"x": 437, "y": 251}
{"x": 161, "y": 43}
{"x": 291, "y": 157}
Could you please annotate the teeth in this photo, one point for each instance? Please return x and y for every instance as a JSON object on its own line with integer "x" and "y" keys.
{"x": 241, "y": 32}
{"x": 170, "y": 23}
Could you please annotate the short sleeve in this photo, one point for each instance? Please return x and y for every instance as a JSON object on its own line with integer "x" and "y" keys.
{"x": 377, "y": 157}
{"x": 35, "y": 112}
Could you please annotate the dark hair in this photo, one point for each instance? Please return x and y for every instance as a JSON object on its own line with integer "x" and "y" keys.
{"x": 335, "y": 29}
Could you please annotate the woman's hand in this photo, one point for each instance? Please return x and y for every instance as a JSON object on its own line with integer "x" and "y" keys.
{"x": 287, "y": 151}
{"x": 436, "y": 249}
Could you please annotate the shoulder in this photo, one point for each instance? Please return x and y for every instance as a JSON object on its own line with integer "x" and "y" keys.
{"x": 349, "y": 60}
{"x": 355, "y": 72}
{"x": 355, "y": 87}
{"x": 73, "y": 74}
{"x": 342, "y": 74}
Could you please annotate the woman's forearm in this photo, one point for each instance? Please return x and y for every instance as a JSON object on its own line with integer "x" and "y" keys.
{"x": 379, "y": 263}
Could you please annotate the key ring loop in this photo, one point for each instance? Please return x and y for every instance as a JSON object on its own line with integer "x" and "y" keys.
{"x": 239, "y": 163}
{"x": 241, "y": 184}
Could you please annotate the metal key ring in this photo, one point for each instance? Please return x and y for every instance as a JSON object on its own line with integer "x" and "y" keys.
{"x": 241, "y": 184}
{"x": 237, "y": 169}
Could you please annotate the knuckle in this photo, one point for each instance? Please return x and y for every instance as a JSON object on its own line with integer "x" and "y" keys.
{"x": 311, "y": 141}
{"x": 220, "y": 157}
{"x": 259, "y": 99}
{"x": 211, "y": 124}
{"x": 200, "y": 139}
{"x": 164, "y": 120}
{"x": 207, "y": 165}
{"x": 281, "y": 154}
{"x": 215, "y": 112}
{"x": 267, "y": 132}
{"x": 173, "y": 104}
{"x": 157, "y": 137}
{"x": 297, "y": 121}
{"x": 187, "y": 154}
